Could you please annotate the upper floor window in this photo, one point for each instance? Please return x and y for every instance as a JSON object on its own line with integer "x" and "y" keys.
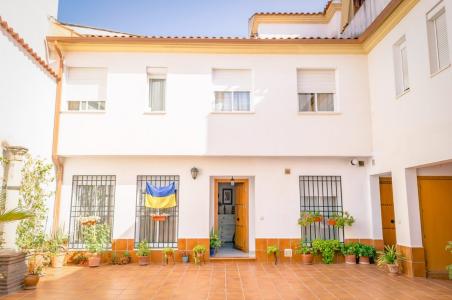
{"x": 401, "y": 66}
{"x": 437, "y": 39}
{"x": 316, "y": 90}
{"x": 232, "y": 90}
{"x": 157, "y": 89}
{"x": 85, "y": 89}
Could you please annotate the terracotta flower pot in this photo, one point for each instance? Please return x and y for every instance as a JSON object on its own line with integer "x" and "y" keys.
{"x": 307, "y": 259}
{"x": 331, "y": 222}
{"x": 318, "y": 219}
{"x": 364, "y": 260}
{"x": 393, "y": 269}
{"x": 94, "y": 261}
{"x": 350, "y": 259}
{"x": 57, "y": 261}
{"x": 159, "y": 218}
{"x": 31, "y": 281}
{"x": 143, "y": 260}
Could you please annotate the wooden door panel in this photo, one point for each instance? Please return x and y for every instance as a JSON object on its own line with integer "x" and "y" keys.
{"x": 387, "y": 220}
{"x": 436, "y": 206}
{"x": 389, "y": 236}
{"x": 387, "y": 212}
{"x": 241, "y": 225}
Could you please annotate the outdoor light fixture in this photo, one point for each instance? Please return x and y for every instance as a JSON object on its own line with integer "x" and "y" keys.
{"x": 232, "y": 181}
{"x": 194, "y": 172}
{"x": 354, "y": 162}
{"x": 16, "y": 152}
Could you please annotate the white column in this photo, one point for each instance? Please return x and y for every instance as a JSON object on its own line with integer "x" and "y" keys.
{"x": 375, "y": 208}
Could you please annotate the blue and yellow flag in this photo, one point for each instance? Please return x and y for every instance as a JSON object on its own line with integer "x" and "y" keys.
{"x": 160, "y": 197}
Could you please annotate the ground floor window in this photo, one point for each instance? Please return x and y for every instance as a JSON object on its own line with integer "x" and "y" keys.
{"x": 159, "y": 234}
{"x": 322, "y": 195}
{"x": 92, "y": 195}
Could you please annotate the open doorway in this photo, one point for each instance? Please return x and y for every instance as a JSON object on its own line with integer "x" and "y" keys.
{"x": 231, "y": 216}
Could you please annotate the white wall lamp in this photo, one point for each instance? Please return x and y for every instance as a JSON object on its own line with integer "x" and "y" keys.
{"x": 354, "y": 162}
{"x": 194, "y": 172}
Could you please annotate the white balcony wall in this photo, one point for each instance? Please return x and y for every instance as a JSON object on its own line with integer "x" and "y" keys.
{"x": 273, "y": 127}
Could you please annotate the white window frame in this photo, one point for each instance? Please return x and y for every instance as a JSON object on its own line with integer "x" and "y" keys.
{"x": 232, "y": 111}
{"x": 83, "y": 106}
{"x": 155, "y": 73}
{"x": 432, "y": 17}
{"x": 399, "y": 63}
{"x": 316, "y": 109}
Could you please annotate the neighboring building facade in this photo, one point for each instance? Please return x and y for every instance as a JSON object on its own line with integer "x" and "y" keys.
{"x": 27, "y": 91}
{"x": 343, "y": 110}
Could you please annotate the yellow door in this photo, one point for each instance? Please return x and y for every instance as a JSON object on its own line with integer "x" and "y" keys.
{"x": 435, "y": 194}
{"x": 241, "y": 216}
{"x": 387, "y": 212}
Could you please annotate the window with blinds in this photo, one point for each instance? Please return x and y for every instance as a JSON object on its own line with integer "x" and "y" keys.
{"x": 157, "y": 89}
{"x": 438, "y": 39}
{"x": 85, "y": 89}
{"x": 232, "y": 90}
{"x": 401, "y": 67}
{"x": 316, "y": 90}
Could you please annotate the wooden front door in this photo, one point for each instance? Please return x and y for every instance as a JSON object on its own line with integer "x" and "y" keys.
{"x": 387, "y": 211}
{"x": 435, "y": 195}
{"x": 241, "y": 216}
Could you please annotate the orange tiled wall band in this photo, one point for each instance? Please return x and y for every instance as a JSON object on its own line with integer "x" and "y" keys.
{"x": 414, "y": 263}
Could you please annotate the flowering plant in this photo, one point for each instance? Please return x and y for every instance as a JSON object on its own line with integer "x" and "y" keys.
{"x": 91, "y": 220}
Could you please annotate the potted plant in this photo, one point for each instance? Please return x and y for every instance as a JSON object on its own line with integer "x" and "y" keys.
{"x": 32, "y": 278}
{"x": 391, "y": 258}
{"x": 185, "y": 256}
{"x": 143, "y": 253}
{"x": 341, "y": 220}
{"x": 80, "y": 259}
{"x": 365, "y": 253}
{"x": 449, "y": 267}
{"x": 198, "y": 253}
{"x": 307, "y": 256}
{"x": 57, "y": 247}
{"x": 167, "y": 253}
{"x": 350, "y": 252}
{"x": 308, "y": 217}
{"x": 273, "y": 250}
{"x": 96, "y": 237}
{"x": 215, "y": 242}
{"x": 126, "y": 258}
{"x": 327, "y": 248}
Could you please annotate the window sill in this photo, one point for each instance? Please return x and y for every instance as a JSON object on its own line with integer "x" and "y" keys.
{"x": 439, "y": 71}
{"x": 154, "y": 113}
{"x": 319, "y": 113}
{"x": 232, "y": 112}
{"x": 403, "y": 93}
{"x": 84, "y": 111}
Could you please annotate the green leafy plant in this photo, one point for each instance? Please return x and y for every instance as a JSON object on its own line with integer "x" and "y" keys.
{"x": 198, "y": 251}
{"x": 350, "y": 249}
{"x": 366, "y": 250}
{"x": 308, "y": 217}
{"x": 96, "y": 237}
{"x": 326, "y": 248}
{"x": 168, "y": 251}
{"x": 304, "y": 248}
{"x": 215, "y": 241}
{"x": 143, "y": 249}
{"x": 272, "y": 249}
{"x": 33, "y": 196}
{"x": 57, "y": 242}
{"x": 389, "y": 256}
{"x": 341, "y": 220}
{"x": 80, "y": 258}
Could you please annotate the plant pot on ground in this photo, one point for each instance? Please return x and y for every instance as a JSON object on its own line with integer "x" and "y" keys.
{"x": 185, "y": 257}
{"x": 32, "y": 278}
{"x": 143, "y": 253}
{"x": 307, "y": 256}
{"x": 198, "y": 253}
{"x": 350, "y": 252}
{"x": 391, "y": 258}
{"x": 327, "y": 248}
{"x": 273, "y": 250}
{"x": 94, "y": 260}
{"x": 168, "y": 253}
{"x": 366, "y": 252}
{"x": 96, "y": 237}
{"x": 215, "y": 242}
{"x": 57, "y": 247}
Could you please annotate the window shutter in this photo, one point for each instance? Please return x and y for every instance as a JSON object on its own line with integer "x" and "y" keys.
{"x": 86, "y": 84}
{"x": 316, "y": 81}
{"x": 231, "y": 80}
{"x": 442, "y": 43}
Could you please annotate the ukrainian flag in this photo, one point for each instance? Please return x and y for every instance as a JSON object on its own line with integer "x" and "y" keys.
{"x": 160, "y": 197}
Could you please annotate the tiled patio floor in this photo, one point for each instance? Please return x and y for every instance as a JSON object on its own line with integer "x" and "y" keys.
{"x": 230, "y": 280}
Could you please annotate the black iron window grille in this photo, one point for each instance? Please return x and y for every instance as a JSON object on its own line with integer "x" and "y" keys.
{"x": 322, "y": 195}
{"x": 92, "y": 195}
{"x": 159, "y": 234}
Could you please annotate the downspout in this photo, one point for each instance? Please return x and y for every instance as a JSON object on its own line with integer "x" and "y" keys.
{"x": 56, "y": 128}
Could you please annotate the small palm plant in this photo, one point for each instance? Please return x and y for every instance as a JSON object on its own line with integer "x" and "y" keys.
{"x": 390, "y": 257}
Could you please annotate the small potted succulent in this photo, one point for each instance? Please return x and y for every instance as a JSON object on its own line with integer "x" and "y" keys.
{"x": 96, "y": 237}
{"x": 143, "y": 253}
{"x": 198, "y": 253}
{"x": 307, "y": 256}
{"x": 185, "y": 256}
{"x": 215, "y": 242}
{"x": 391, "y": 258}
{"x": 273, "y": 250}
{"x": 57, "y": 248}
{"x": 167, "y": 254}
{"x": 449, "y": 267}
{"x": 327, "y": 248}
{"x": 341, "y": 220}
{"x": 365, "y": 253}
{"x": 350, "y": 252}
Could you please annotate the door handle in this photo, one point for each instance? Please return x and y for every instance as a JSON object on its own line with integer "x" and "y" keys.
{"x": 238, "y": 219}
{"x": 392, "y": 222}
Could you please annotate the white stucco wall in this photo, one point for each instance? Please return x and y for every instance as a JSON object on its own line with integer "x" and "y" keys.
{"x": 274, "y": 196}
{"x": 415, "y": 129}
{"x": 190, "y": 128}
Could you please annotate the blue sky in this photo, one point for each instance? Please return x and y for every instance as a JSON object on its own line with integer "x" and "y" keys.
{"x": 177, "y": 17}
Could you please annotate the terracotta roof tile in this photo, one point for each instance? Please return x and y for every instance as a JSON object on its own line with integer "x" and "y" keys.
{"x": 25, "y": 46}
{"x": 295, "y": 13}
